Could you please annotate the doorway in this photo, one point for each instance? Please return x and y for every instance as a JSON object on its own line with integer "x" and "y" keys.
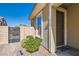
{"x": 60, "y": 40}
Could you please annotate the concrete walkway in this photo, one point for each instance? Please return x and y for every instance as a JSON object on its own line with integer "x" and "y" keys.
{"x": 14, "y": 49}
{"x": 67, "y": 51}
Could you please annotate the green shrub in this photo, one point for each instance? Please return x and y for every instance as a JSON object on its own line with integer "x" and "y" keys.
{"x": 31, "y": 43}
{"x": 38, "y": 38}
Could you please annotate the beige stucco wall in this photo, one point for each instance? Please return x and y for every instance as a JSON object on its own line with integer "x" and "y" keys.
{"x": 25, "y": 31}
{"x": 73, "y": 25}
{"x": 45, "y": 40}
{"x": 53, "y": 29}
{"x": 53, "y": 22}
{"x": 3, "y": 34}
{"x": 49, "y": 16}
{"x": 37, "y": 9}
{"x": 35, "y": 22}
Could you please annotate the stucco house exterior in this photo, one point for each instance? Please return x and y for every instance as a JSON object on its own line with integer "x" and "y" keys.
{"x": 59, "y": 24}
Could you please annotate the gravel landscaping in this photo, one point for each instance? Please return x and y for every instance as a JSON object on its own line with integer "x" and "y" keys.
{"x": 14, "y": 49}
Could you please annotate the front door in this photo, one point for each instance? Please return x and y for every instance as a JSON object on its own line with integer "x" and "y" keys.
{"x": 59, "y": 28}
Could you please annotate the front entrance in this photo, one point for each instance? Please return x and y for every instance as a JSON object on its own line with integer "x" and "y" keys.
{"x": 59, "y": 29}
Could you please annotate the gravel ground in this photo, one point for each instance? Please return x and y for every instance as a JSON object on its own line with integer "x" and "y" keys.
{"x": 14, "y": 49}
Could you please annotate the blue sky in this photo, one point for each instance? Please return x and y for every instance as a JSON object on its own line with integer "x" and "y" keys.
{"x": 16, "y": 13}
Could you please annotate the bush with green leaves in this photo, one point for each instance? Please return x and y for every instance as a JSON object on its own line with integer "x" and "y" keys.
{"x": 31, "y": 43}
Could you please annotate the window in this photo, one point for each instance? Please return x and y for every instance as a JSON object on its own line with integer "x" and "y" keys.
{"x": 39, "y": 22}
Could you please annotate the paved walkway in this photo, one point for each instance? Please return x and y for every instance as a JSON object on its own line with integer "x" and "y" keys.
{"x": 14, "y": 49}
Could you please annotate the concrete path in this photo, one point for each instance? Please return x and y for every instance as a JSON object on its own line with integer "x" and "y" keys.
{"x": 14, "y": 49}
{"x": 67, "y": 51}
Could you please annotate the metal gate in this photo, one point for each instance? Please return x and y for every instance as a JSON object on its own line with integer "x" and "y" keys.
{"x": 14, "y": 34}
